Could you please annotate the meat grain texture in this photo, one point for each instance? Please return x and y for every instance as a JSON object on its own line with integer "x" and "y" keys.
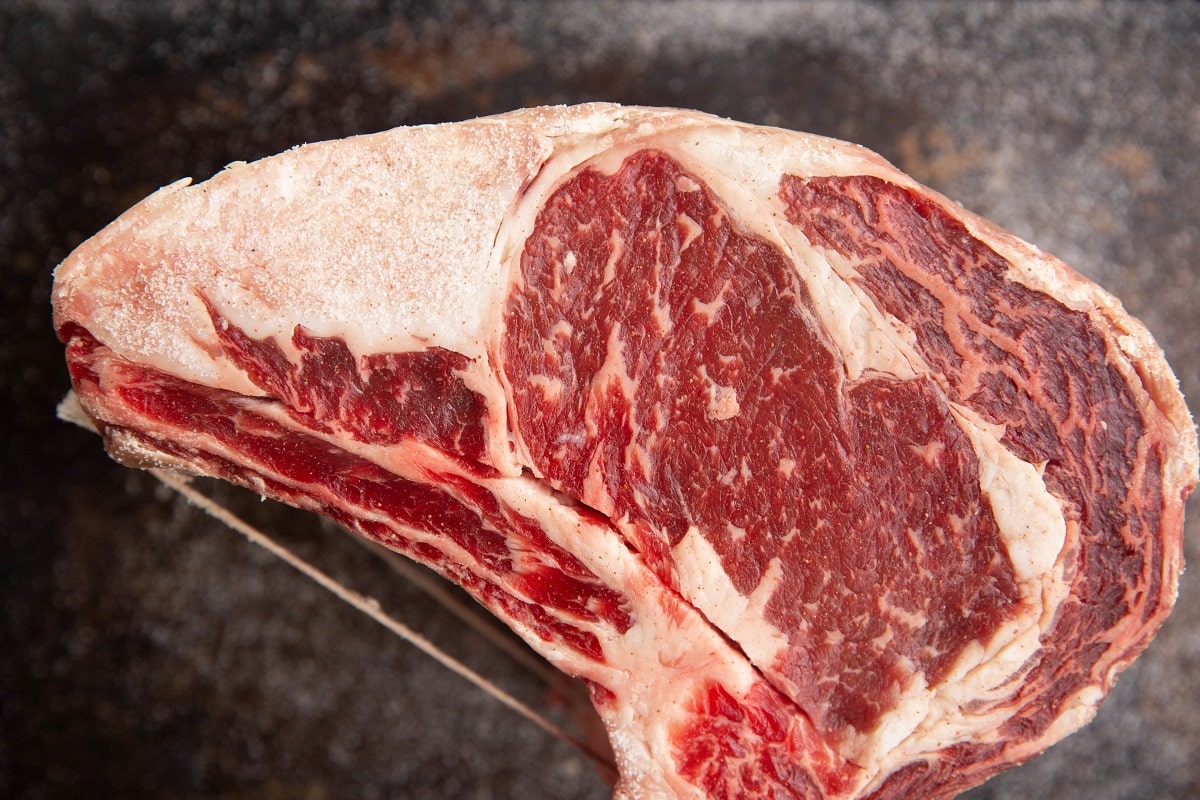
{"x": 825, "y": 487}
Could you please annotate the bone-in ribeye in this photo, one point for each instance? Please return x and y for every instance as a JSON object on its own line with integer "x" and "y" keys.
{"x": 825, "y": 487}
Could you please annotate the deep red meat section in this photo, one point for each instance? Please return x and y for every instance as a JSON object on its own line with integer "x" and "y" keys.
{"x": 753, "y": 748}
{"x": 382, "y": 398}
{"x": 1024, "y": 360}
{"x": 668, "y": 369}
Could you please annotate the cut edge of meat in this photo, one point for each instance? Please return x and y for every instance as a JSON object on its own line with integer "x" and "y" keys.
{"x": 574, "y": 135}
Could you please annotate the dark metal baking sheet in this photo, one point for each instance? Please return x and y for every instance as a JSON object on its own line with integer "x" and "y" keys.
{"x": 147, "y": 652}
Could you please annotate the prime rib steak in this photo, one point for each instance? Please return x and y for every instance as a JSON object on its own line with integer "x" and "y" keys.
{"x": 826, "y": 487}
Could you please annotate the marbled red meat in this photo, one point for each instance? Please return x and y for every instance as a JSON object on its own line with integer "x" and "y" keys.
{"x": 645, "y": 309}
{"x": 825, "y": 487}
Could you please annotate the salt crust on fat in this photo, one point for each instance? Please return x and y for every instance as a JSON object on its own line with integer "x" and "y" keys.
{"x": 381, "y": 240}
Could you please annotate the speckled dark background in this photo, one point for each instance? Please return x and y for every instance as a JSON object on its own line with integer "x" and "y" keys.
{"x": 147, "y": 652}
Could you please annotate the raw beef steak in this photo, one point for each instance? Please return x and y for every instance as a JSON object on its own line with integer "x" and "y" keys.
{"x": 826, "y": 487}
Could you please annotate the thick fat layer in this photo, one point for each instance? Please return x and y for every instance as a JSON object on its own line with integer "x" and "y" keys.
{"x": 336, "y": 237}
{"x": 364, "y": 218}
